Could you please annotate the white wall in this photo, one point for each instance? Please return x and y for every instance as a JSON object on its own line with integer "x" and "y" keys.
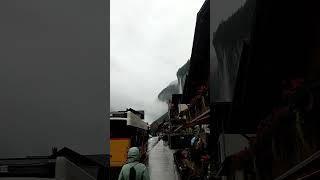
{"x": 231, "y": 144}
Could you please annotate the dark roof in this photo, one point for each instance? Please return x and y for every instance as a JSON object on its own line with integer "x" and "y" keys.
{"x": 176, "y": 98}
{"x": 28, "y": 167}
{"x": 200, "y": 56}
{"x": 155, "y": 125}
{"x": 137, "y": 112}
{"x": 44, "y": 166}
{"x": 279, "y": 50}
{"x": 95, "y": 160}
{"x": 96, "y": 165}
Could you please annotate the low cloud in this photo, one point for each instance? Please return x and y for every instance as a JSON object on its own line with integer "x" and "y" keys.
{"x": 150, "y": 40}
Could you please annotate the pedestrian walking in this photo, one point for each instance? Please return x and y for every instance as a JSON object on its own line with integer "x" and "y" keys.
{"x": 134, "y": 170}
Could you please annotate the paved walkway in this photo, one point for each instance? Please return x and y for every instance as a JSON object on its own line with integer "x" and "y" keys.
{"x": 161, "y": 163}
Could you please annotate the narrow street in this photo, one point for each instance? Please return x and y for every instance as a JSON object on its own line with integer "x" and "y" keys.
{"x": 161, "y": 164}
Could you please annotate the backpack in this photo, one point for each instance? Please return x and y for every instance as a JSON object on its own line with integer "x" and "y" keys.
{"x": 132, "y": 173}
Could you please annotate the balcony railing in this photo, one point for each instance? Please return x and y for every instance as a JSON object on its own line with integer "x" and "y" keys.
{"x": 197, "y": 108}
{"x": 197, "y": 113}
{"x": 303, "y": 170}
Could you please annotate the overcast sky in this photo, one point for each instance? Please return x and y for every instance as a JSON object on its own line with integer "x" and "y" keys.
{"x": 149, "y": 40}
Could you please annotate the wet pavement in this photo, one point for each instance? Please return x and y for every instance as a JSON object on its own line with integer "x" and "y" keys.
{"x": 161, "y": 164}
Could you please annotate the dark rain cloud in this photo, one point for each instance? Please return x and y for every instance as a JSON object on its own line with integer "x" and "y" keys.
{"x": 53, "y": 76}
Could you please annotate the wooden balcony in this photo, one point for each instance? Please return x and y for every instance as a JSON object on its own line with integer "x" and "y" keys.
{"x": 197, "y": 113}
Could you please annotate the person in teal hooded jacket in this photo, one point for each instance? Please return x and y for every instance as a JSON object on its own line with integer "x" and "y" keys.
{"x": 141, "y": 171}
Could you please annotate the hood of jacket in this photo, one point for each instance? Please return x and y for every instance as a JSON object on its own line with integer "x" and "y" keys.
{"x": 133, "y": 155}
